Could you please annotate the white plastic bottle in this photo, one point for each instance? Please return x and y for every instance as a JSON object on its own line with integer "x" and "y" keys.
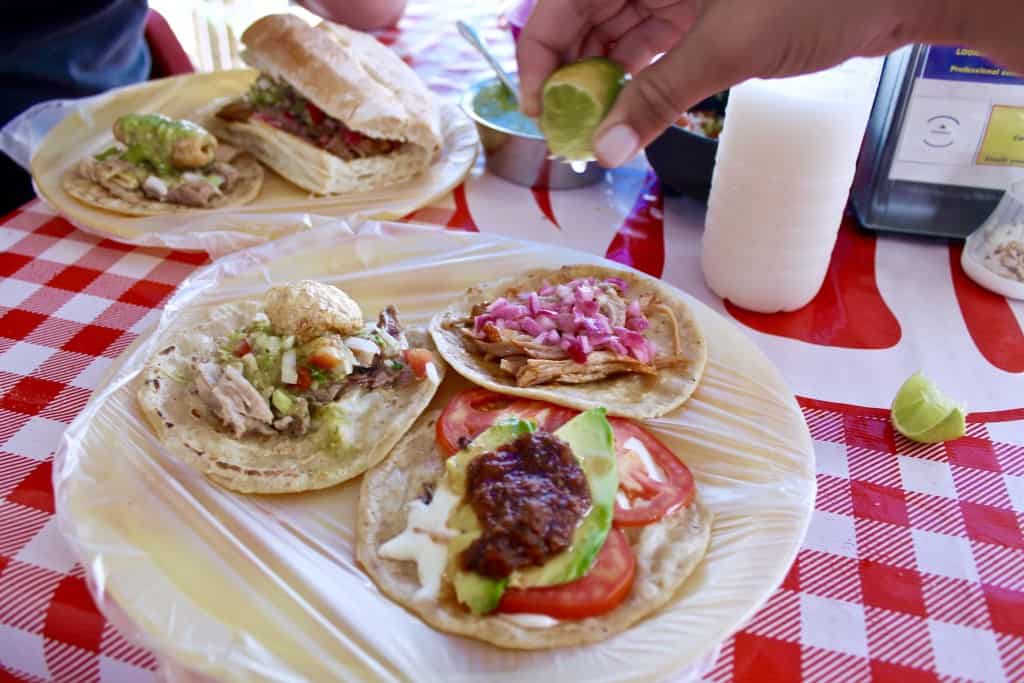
{"x": 785, "y": 164}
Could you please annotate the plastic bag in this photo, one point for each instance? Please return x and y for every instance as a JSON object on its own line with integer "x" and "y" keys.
{"x": 52, "y": 136}
{"x": 267, "y": 588}
{"x": 993, "y": 255}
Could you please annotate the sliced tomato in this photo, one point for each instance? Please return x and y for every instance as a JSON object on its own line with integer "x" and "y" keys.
{"x": 650, "y": 499}
{"x": 243, "y": 347}
{"x": 326, "y": 358}
{"x": 418, "y": 360}
{"x": 601, "y": 590}
{"x": 305, "y": 379}
{"x": 316, "y": 115}
{"x": 474, "y": 410}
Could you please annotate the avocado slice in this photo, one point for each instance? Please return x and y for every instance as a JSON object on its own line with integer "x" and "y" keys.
{"x": 590, "y": 437}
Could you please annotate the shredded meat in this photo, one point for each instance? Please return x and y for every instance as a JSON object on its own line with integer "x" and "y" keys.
{"x": 115, "y": 175}
{"x": 226, "y": 171}
{"x": 296, "y": 423}
{"x": 599, "y": 365}
{"x": 388, "y": 321}
{"x": 531, "y": 363}
{"x": 236, "y": 110}
{"x": 381, "y": 373}
{"x": 326, "y": 393}
{"x": 235, "y": 402}
{"x": 192, "y": 194}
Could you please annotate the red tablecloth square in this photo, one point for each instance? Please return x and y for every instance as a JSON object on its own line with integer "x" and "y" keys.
{"x": 872, "y": 433}
{"x": 973, "y": 452}
{"x": 880, "y": 503}
{"x": 992, "y": 525}
{"x": 72, "y": 617}
{"x": 74, "y": 278}
{"x": 18, "y": 324}
{"x": 36, "y": 489}
{"x": 11, "y": 263}
{"x": 761, "y": 659}
{"x": 1007, "y": 609}
{"x": 94, "y": 340}
{"x": 885, "y": 672}
{"x": 30, "y": 396}
{"x": 119, "y": 246}
{"x": 147, "y": 293}
{"x": 792, "y": 580}
{"x": 892, "y": 588}
{"x": 55, "y": 227}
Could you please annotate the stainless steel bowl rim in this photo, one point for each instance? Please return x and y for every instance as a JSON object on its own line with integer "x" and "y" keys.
{"x": 467, "y": 106}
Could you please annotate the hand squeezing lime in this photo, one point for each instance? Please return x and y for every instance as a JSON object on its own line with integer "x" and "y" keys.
{"x": 922, "y": 413}
{"x": 574, "y": 100}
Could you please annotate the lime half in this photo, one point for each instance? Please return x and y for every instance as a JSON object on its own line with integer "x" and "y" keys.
{"x": 575, "y": 98}
{"x": 922, "y": 413}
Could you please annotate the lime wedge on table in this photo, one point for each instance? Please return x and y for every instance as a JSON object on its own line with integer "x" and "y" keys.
{"x": 574, "y": 100}
{"x": 922, "y": 413}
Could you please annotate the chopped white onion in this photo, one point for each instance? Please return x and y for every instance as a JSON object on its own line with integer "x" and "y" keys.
{"x": 363, "y": 349}
{"x": 432, "y": 374}
{"x": 289, "y": 371}
{"x": 155, "y": 185}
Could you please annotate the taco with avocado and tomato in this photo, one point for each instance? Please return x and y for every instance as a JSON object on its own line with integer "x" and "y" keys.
{"x": 580, "y": 336}
{"x": 162, "y": 165}
{"x": 528, "y": 525}
{"x": 289, "y": 394}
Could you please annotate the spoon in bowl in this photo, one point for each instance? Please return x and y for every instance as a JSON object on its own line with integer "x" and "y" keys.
{"x": 473, "y": 38}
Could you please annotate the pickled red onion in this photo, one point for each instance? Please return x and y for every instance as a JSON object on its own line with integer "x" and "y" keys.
{"x": 569, "y": 316}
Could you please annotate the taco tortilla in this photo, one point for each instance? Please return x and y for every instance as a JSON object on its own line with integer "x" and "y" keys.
{"x": 291, "y": 394}
{"x": 160, "y": 165}
{"x": 397, "y": 524}
{"x": 580, "y": 336}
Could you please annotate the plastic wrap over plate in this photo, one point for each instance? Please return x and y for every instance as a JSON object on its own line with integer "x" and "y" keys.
{"x": 281, "y": 208}
{"x": 267, "y": 588}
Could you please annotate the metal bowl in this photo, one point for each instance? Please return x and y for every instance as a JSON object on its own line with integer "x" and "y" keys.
{"x": 522, "y": 158}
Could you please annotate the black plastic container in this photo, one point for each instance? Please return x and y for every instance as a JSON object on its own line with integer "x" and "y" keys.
{"x": 684, "y": 161}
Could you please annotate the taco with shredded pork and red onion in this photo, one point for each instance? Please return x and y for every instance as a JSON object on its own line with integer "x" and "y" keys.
{"x": 580, "y": 336}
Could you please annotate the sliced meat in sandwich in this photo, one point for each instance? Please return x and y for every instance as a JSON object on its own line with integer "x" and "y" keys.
{"x": 333, "y": 110}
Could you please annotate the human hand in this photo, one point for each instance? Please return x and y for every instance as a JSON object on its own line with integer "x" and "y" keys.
{"x": 709, "y": 45}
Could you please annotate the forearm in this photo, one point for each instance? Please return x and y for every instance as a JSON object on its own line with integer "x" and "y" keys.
{"x": 993, "y": 27}
{"x": 362, "y": 15}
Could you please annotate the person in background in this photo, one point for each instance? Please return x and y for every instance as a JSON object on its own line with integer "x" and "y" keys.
{"x": 711, "y": 45}
{"x": 57, "y": 50}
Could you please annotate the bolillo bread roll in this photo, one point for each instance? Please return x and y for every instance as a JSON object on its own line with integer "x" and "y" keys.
{"x": 351, "y": 78}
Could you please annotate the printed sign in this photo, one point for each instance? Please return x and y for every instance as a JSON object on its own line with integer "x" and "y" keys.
{"x": 951, "y": 63}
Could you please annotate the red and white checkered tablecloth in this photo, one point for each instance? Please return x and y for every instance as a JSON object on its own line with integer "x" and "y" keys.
{"x": 913, "y": 567}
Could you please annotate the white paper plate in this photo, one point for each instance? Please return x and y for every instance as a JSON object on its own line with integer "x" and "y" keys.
{"x": 266, "y": 588}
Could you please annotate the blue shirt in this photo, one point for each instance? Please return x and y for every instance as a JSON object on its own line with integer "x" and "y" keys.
{"x": 56, "y": 49}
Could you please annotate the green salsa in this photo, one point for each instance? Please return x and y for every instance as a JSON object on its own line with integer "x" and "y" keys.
{"x": 152, "y": 138}
{"x": 495, "y": 104}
